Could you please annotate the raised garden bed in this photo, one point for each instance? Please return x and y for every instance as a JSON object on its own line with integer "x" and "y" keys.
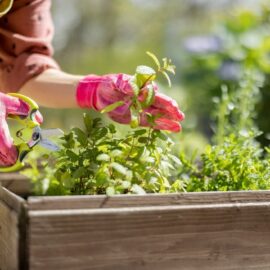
{"x": 211, "y": 230}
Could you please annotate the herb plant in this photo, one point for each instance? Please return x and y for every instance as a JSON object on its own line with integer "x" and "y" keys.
{"x": 235, "y": 161}
{"x": 97, "y": 161}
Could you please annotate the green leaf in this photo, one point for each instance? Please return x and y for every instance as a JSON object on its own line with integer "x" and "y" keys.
{"x": 150, "y": 97}
{"x": 103, "y": 157}
{"x": 101, "y": 133}
{"x": 143, "y": 140}
{"x": 140, "y": 132}
{"x": 164, "y": 73}
{"x": 119, "y": 168}
{"x": 175, "y": 159}
{"x": 79, "y": 173}
{"x": 150, "y": 118}
{"x": 110, "y": 191}
{"x": 81, "y": 136}
{"x": 162, "y": 136}
{"x": 171, "y": 68}
{"x": 154, "y": 58}
{"x": 88, "y": 122}
{"x": 144, "y": 74}
{"x": 116, "y": 153}
{"x": 73, "y": 157}
{"x": 125, "y": 184}
{"x": 145, "y": 71}
{"x": 101, "y": 178}
{"x": 112, "y": 128}
{"x": 113, "y": 106}
{"x": 66, "y": 180}
{"x": 134, "y": 85}
{"x": 97, "y": 122}
{"x": 138, "y": 190}
{"x": 167, "y": 65}
{"x": 134, "y": 123}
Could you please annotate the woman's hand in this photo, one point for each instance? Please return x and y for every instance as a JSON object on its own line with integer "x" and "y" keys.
{"x": 97, "y": 92}
{"x": 9, "y": 106}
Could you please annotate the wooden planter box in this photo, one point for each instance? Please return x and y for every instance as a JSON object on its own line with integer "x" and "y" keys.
{"x": 208, "y": 231}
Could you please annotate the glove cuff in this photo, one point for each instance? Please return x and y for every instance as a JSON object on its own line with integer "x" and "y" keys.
{"x": 86, "y": 92}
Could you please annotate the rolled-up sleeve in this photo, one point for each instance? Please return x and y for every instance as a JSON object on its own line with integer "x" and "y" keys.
{"x": 26, "y": 34}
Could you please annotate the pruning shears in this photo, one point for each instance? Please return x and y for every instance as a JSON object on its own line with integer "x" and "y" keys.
{"x": 39, "y": 136}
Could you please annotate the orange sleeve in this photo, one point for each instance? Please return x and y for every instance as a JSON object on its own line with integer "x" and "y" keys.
{"x": 26, "y": 34}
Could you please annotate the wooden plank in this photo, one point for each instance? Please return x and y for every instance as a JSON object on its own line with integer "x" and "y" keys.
{"x": 10, "y": 237}
{"x": 100, "y": 201}
{"x": 226, "y": 236}
{"x": 16, "y": 183}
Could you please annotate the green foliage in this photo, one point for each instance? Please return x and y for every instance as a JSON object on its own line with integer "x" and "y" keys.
{"x": 97, "y": 161}
{"x": 239, "y": 42}
{"x": 236, "y": 164}
{"x": 236, "y": 161}
{"x": 167, "y": 67}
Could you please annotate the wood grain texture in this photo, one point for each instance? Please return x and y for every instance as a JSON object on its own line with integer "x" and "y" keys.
{"x": 10, "y": 206}
{"x": 209, "y": 237}
{"x": 100, "y": 201}
{"x": 16, "y": 183}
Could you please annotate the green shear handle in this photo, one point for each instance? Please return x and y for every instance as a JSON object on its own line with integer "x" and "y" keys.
{"x": 30, "y": 122}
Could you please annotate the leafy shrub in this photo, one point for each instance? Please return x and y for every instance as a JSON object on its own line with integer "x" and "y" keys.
{"x": 97, "y": 161}
{"x": 240, "y": 41}
{"x": 236, "y": 161}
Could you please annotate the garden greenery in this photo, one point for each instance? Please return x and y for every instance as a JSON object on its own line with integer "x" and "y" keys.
{"x": 97, "y": 160}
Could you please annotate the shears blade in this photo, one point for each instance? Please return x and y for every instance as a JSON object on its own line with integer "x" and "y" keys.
{"x": 45, "y": 143}
{"x": 40, "y": 137}
{"x": 53, "y": 132}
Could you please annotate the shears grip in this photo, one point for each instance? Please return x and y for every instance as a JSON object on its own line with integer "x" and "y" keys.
{"x": 29, "y": 122}
{"x": 23, "y": 150}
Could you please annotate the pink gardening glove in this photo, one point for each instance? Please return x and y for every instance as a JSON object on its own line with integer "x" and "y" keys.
{"x": 13, "y": 106}
{"x": 97, "y": 92}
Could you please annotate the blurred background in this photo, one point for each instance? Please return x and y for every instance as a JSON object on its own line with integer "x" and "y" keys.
{"x": 210, "y": 42}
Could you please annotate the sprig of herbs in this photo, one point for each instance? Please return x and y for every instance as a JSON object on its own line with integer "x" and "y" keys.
{"x": 142, "y": 80}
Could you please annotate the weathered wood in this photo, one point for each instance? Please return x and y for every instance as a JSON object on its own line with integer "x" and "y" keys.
{"x": 210, "y": 236}
{"x": 189, "y": 231}
{"x": 10, "y": 230}
{"x": 89, "y": 202}
{"x": 16, "y": 182}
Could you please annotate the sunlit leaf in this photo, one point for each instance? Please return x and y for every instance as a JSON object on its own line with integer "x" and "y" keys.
{"x": 81, "y": 136}
{"x": 144, "y": 74}
{"x": 110, "y": 191}
{"x": 149, "y": 98}
{"x": 119, "y": 168}
{"x": 103, "y": 157}
{"x": 88, "y": 122}
{"x": 154, "y": 58}
{"x": 79, "y": 172}
{"x": 138, "y": 189}
{"x": 167, "y": 78}
{"x": 113, "y": 106}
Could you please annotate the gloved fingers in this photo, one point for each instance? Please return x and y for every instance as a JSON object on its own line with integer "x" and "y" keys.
{"x": 163, "y": 122}
{"x": 122, "y": 83}
{"x": 120, "y": 119}
{"x": 168, "y": 107}
{"x": 8, "y": 152}
{"x": 13, "y": 105}
{"x": 167, "y": 124}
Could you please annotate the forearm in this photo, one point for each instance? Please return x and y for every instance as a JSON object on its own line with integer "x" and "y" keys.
{"x": 53, "y": 88}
